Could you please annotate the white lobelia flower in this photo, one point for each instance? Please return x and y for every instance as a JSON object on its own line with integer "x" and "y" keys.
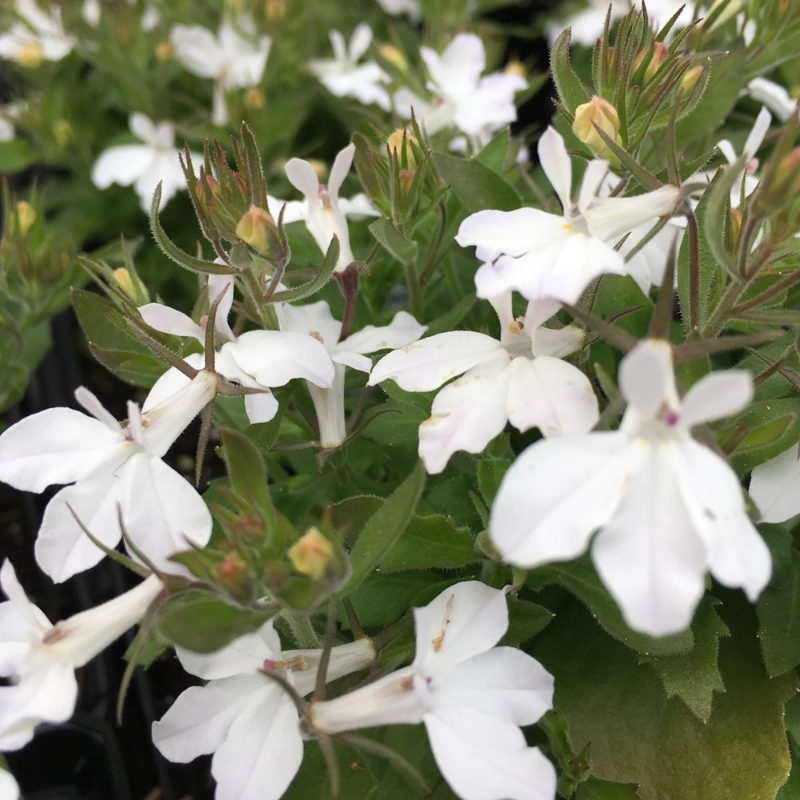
{"x": 344, "y": 77}
{"x": 667, "y": 507}
{"x": 144, "y": 165}
{"x": 9, "y": 789}
{"x": 41, "y": 658}
{"x": 773, "y": 96}
{"x": 235, "y": 57}
{"x": 397, "y": 7}
{"x": 471, "y": 695}
{"x": 324, "y": 212}
{"x": 113, "y": 468}
{"x": 587, "y": 24}
{"x": 477, "y": 106}
{"x": 255, "y": 359}
{"x": 546, "y": 255}
{"x": 519, "y": 378}
{"x": 775, "y": 487}
{"x": 38, "y": 36}
{"x": 316, "y": 320}
{"x": 245, "y": 718}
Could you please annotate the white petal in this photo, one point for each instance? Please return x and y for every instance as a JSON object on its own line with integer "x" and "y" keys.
{"x": 122, "y": 165}
{"x": 341, "y": 166}
{"x": 243, "y": 655}
{"x": 557, "y": 165}
{"x": 427, "y": 364}
{"x": 716, "y": 396}
{"x": 273, "y": 358}
{"x": 756, "y": 136}
{"x": 579, "y": 482}
{"x": 457, "y": 71}
{"x": 648, "y": 554}
{"x": 773, "y": 96}
{"x": 646, "y": 378}
{"x": 737, "y": 555}
{"x": 199, "y": 720}
{"x": 482, "y": 758}
{"x": 551, "y": 395}
{"x": 611, "y": 217}
{"x": 262, "y": 751}
{"x": 62, "y": 548}
{"x": 261, "y": 407}
{"x": 55, "y": 446}
{"x": 197, "y": 49}
{"x": 360, "y": 41}
{"x": 775, "y": 487}
{"x": 496, "y": 232}
{"x": 302, "y": 176}
{"x": 168, "y": 320}
{"x": 314, "y": 317}
{"x": 162, "y": 510}
{"x": 502, "y": 682}
{"x": 9, "y": 789}
{"x": 402, "y": 330}
{"x": 33, "y": 617}
{"x": 467, "y": 414}
{"x": 464, "y": 620}
{"x": 557, "y": 342}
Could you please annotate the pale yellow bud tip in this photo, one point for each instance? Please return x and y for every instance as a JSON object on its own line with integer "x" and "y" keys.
{"x": 394, "y": 56}
{"x": 255, "y": 228}
{"x": 30, "y": 55}
{"x": 26, "y": 216}
{"x": 600, "y": 113}
{"x": 311, "y": 554}
{"x": 131, "y": 285}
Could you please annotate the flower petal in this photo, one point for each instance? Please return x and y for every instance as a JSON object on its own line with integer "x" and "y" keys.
{"x": 122, "y": 165}
{"x": 551, "y": 395}
{"x": 168, "y": 320}
{"x": 197, "y": 49}
{"x": 457, "y": 71}
{"x": 402, "y": 330}
{"x": 464, "y": 620}
{"x": 427, "y": 364}
{"x": 646, "y": 377}
{"x": 609, "y": 218}
{"x": 557, "y": 493}
{"x": 339, "y": 170}
{"x": 557, "y": 165}
{"x": 55, "y": 446}
{"x": 496, "y": 232}
{"x": 716, "y": 396}
{"x": 775, "y": 487}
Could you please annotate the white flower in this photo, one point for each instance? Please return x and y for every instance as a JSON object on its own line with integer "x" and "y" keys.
{"x": 462, "y": 98}
{"x": 587, "y": 25}
{"x": 37, "y": 36}
{"x": 775, "y": 487}
{"x": 41, "y": 658}
{"x": 397, "y": 7}
{"x": 342, "y": 75}
{"x": 323, "y": 211}
{"x": 255, "y": 359}
{"x": 751, "y": 146}
{"x": 235, "y": 58}
{"x": 519, "y": 378}
{"x": 667, "y": 507}
{"x": 471, "y": 695}
{"x": 245, "y": 718}
{"x": 91, "y": 12}
{"x": 547, "y": 255}
{"x": 316, "y": 320}
{"x": 143, "y": 165}
{"x": 773, "y": 96}
{"x": 111, "y": 466}
{"x": 9, "y": 789}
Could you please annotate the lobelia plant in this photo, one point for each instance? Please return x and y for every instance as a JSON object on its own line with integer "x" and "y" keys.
{"x": 379, "y": 587}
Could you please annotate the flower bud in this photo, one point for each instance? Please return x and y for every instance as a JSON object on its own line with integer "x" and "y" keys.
{"x": 234, "y": 574}
{"x": 311, "y": 554}
{"x": 30, "y": 55}
{"x": 689, "y": 80}
{"x": 254, "y": 99}
{"x": 516, "y": 67}
{"x": 395, "y": 144}
{"x": 275, "y": 10}
{"x": 394, "y": 56}
{"x": 257, "y": 228}
{"x": 164, "y": 50}
{"x": 600, "y": 113}
{"x": 26, "y": 216}
{"x": 657, "y": 55}
{"x": 736, "y": 226}
{"x": 783, "y": 186}
{"x": 131, "y": 285}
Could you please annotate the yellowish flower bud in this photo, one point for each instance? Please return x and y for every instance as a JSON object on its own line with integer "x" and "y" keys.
{"x": 164, "y": 50}
{"x": 275, "y": 10}
{"x": 26, "y": 216}
{"x": 257, "y": 228}
{"x": 254, "y": 99}
{"x": 600, "y": 113}
{"x": 311, "y": 554}
{"x": 30, "y": 55}
{"x": 395, "y": 143}
{"x": 658, "y": 56}
{"x": 516, "y": 67}
{"x": 131, "y": 285}
{"x": 394, "y": 56}
{"x": 689, "y": 80}
{"x": 63, "y": 132}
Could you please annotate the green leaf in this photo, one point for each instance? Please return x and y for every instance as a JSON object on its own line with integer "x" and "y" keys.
{"x": 773, "y": 426}
{"x": 495, "y": 153}
{"x": 475, "y": 185}
{"x": 490, "y": 473}
{"x": 580, "y": 578}
{"x": 15, "y": 156}
{"x": 395, "y": 243}
{"x": 385, "y": 527}
{"x": 594, "y": 789}
{"x": 312, "y": 780}
{"x": 382, "y": 599}
{"x": 433, "y": 542}
{"x": 778, "y": 607}
{"x": 525, "y": 620}
{"x": 350, "y": 516}
{"x": 694, "y": 677}
{"x": 571, "y": 90}
{"x": 247, "y": 471}
{"x": 637, "y": 735}
{"x": 791, "y": 789}
{"x": 202, "y": 622}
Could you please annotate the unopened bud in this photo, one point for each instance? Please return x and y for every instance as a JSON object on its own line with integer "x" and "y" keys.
{"x": 63, "y": 132}
{"x": 689, "y": 80}
{"x": 784, "y": 185}
{"x": 395, "y": 144}
{"x": 254, "y": 99}
{"x": 311, "y": 554}
{"x": 516, "y": 67}
{"x": 394, "y": 56}
{"x": 164, "y": 50}
{"x": 232, "y": 573}
{"x": 257, "y": 228}
{"x": 131, "y": 285}
{"x": 26, "y": 216}
{"x": 736, "y": 226}
{"x": 657, "y": 55}
{"x": 30, "y": 55}
{"x": 275, "y": 10}
{"x": 600, "y": 113}
{"x": 406, "y": 179}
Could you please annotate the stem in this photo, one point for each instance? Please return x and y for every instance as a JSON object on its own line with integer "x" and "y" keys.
{"x": 414, "y": 295}
{"x": 433, "y": 260}
{"x": 325, "y": 658}
{"x": 776, "y": 288}
{"x": 694, "y": 271}
{"x": 348, "y": 283}
{"x": 302, "y": 629}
